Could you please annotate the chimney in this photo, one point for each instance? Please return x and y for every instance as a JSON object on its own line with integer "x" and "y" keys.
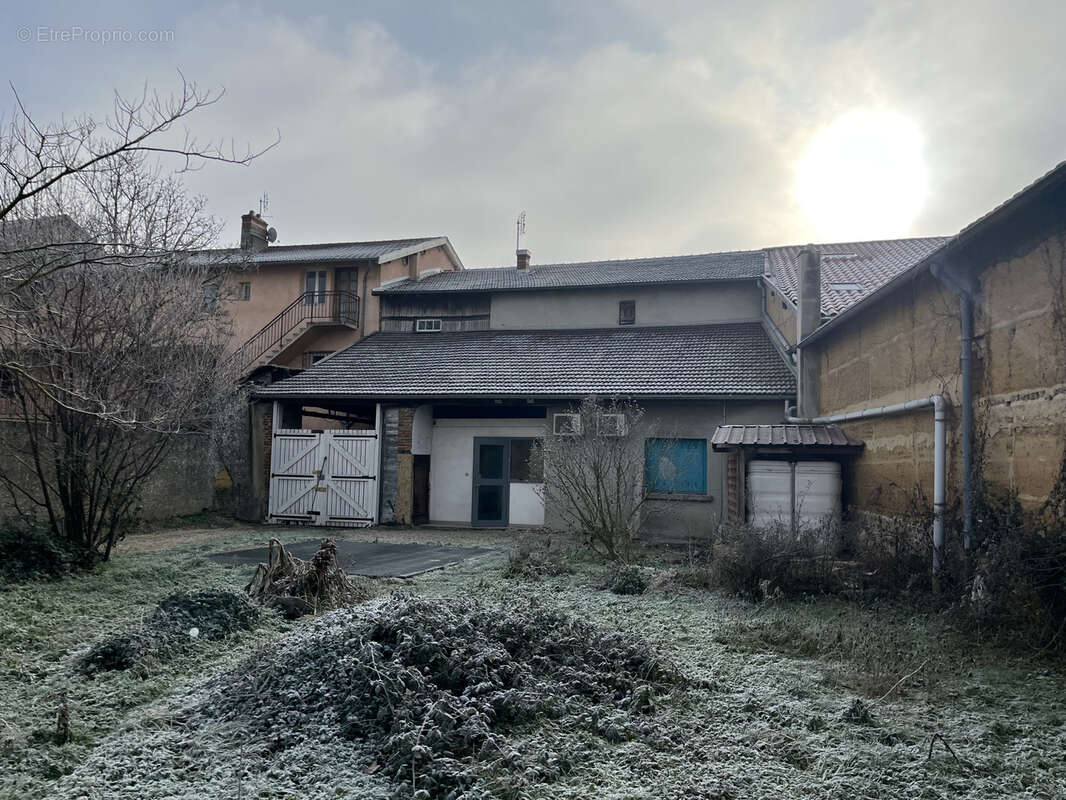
{"x": 523, "y": 260}
{"x": 253, "y": 232}
{"x": 808, "y": 319}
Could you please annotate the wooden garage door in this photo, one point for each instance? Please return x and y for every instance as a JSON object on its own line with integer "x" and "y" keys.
{"x": 324, "y": 478}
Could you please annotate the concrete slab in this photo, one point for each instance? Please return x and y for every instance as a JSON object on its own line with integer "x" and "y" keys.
{"x": 369, "y": 559}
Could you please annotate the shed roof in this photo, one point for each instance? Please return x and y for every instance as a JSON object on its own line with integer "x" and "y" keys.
{"x": 677, "y": 361}
{"x": 729, "y": 437}
{"x": 741, "y": 265}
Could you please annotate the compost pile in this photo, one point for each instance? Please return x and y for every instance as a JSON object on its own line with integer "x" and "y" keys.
{"x": 454, "y": 699}
{"x": 297, "y": 587}
{"x": 176, "y": 624}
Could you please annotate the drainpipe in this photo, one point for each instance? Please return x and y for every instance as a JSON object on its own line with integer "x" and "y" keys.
{"x": 940, "y": 416}
{"x": 965, "y": 288}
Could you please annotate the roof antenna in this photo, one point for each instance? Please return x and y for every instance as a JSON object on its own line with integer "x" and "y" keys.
{"x": 264, "y": 204}
{"x": 520, "y": 228}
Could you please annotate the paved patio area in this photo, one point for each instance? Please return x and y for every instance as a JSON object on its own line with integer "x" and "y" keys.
{"x": 369, "y": 559}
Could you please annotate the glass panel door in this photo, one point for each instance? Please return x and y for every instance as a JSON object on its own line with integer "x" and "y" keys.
{"x": 345, "y": 279}
{"x": 490, "y": 499}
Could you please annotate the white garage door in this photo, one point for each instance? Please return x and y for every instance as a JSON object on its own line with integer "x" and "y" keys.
{"x": 326, "y": 478}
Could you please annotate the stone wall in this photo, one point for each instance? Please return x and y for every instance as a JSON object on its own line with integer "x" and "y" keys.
{"x": 908, "y": 345}
{"x": 183, "y": 484}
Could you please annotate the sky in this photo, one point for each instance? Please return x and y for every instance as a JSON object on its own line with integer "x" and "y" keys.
{"x": 623, "y": 128}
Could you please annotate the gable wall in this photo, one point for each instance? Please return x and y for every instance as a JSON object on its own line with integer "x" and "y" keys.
{"x": 907, "y": 347}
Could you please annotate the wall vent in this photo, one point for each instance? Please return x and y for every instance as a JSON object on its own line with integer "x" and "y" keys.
{"x": 566, "y": 424}
{"x": 611, "y": 425}
{"x": 427, "y": 325}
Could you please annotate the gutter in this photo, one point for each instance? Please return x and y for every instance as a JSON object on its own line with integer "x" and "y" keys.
{"x": 966, "y": 289}
{"x": 940, "y": 406}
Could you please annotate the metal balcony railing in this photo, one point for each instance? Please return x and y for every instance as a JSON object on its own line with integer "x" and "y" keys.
{"x": 309, "y": 307}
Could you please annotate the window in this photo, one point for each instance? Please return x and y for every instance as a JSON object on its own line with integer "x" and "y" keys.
{"x": 526, "y": 465}
{"x": 312, "y": 357}
{"x": 210, "y": 298}
{"x": 566, "y": 424}
{"x": 8, "y": 383}
{"x": 845, "y": 287}
{"x": 675, "y": 466}
{"x": 627, "y": 312}
{"x": 315, "y": 287}
{"x": 427, "y": 325}
{"x": 244, "y": 292}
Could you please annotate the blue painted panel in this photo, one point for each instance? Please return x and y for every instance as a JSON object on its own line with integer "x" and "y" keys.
{"x": 675, "y": 465}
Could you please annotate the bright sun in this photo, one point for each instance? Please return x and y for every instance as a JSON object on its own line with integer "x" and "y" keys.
{"x": 863, "y": 177}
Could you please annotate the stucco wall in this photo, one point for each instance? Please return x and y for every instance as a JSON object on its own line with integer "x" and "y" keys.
{"x": 907, "y": 347}
{"x": 452, "y": 463}
{"x": 682, "y": 520}
{"x": 656, "y": 305}
{"x": 781, "y": 314}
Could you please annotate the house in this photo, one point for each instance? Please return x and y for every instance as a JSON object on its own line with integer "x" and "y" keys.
{"x": 292, "y": 305}
{"x": 922, "y": 368}
{"x": 469, "y": 367}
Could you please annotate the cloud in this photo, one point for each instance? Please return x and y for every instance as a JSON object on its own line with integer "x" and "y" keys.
{"x": 684, "y": 138}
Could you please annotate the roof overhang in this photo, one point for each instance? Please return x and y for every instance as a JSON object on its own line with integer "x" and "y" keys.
{"x": 440, "y": 241}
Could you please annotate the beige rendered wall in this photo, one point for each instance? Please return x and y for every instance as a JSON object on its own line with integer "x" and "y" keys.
{"x": 781, "y": 314}
{"x": 907, "y": 347}
{"x": 656, "y": 305}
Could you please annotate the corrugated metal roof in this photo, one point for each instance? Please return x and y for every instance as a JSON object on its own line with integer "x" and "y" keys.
{"x": 864, "y": 265}
{"x": 744, "y": 265}
{"x": 315, "y": 253}
{"x": 730, "y": 436}
{"x": 689, "y": 361}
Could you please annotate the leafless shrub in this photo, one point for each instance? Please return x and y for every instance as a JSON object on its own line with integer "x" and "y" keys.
{"x": 594, "y": 474}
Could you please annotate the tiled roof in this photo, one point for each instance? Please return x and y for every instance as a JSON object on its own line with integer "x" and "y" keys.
{"x": 670, "y": 269}
{"x": 850, "y": 270}
{"x": 689, "y": 361}
{"x": 316, "y": 253}
{"x": 730, "y": 436}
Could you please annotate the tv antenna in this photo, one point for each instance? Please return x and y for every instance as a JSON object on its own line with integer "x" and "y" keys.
{"x": 520, "y": 228}
{"x": 264, "y": 204}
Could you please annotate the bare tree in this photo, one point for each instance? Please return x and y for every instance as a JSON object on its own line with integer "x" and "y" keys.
{"x": 108, "y": 350}
{"x": 594, "y": 473}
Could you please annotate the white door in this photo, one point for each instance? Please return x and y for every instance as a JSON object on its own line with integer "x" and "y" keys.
{"x": 326, "y": 478}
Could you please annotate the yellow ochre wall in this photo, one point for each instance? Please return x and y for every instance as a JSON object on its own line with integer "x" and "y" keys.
{"x": 907, "y": 347}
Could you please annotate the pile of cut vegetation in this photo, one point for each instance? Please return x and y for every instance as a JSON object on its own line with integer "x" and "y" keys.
{"x": 446, "y": 694}
{"x": 176, "y": 624}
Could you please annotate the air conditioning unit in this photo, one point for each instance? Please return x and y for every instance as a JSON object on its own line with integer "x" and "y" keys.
{"x": 566, "y": 424}
{"x": 427, "y": 326}
{"x": 611, "y": 425}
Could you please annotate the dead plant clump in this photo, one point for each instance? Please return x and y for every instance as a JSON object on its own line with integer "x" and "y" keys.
{"x": 446, "y": 693}
{"x": 535, "y": 561}
{"x": 297, "y": 587}
{"x": 176, "y": 624}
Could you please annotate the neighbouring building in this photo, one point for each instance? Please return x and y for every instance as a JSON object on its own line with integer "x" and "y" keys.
{"x": 292, "y": 305}
{"x": 989, "y": 302}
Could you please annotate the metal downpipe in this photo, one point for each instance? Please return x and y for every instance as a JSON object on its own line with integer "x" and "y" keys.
{"x": 940, "y": 438}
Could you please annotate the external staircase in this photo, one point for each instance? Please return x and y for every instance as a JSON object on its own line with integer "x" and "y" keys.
{"x": 308, "y": 310}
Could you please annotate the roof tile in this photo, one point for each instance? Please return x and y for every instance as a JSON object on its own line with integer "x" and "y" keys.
{"x": 701, "y": 360}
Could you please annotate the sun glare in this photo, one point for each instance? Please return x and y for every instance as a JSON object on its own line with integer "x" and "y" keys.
{"x": 863, "y": 177}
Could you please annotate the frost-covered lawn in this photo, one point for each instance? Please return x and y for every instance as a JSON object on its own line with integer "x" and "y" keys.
{"x": 804, "y": 699}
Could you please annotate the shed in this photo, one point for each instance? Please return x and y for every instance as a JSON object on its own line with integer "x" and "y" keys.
{"x": 794, "y": 443}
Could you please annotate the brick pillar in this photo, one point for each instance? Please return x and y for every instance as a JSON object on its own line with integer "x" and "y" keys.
{"x": 405, "y": 495}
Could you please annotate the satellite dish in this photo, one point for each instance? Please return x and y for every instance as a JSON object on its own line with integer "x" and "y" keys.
{"x": 272, "y": 234}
